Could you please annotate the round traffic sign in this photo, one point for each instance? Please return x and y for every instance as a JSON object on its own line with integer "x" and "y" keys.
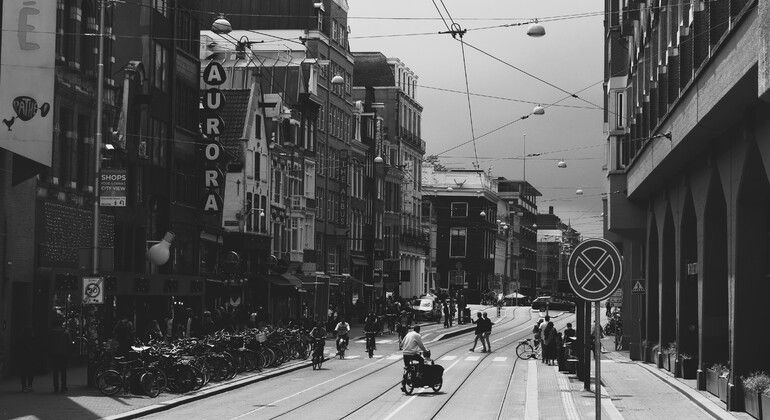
{"x": 93, "y": 290}
{"x": 594, "y": 269}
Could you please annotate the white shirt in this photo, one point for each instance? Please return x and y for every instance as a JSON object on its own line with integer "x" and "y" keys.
{"x": 413, "y": 343}
{"x": 342, "y": 328}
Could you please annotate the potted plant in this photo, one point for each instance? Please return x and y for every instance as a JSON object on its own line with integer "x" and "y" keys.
{"x": 671, "y": 364}
{"x": 689, "y": 366}
{"x": 753, "y": 386}
{"x": 766, "y": 404}
{"x": 712, "y": 378}
{"x": 724, "y": 376}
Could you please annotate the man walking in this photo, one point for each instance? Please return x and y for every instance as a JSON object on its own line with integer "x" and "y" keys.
{"x": 479, "y": 333}
{"x": 447, "y": 318}
{"x": 487, "y": 332}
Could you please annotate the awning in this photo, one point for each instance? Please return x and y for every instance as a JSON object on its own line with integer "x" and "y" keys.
{"x": 292, "y": 279}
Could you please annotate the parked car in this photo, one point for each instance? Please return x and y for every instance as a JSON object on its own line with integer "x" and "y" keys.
{"x": 427, "y": 309}
{"x": 554, "y": 304}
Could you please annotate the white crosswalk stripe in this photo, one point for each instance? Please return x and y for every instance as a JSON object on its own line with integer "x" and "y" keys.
{"x": 499, "y": 359}
{"x": 394, "y": 357}
{"x": 384, "y": 341}
{"x": 472, "y": 358}
{"x": 355, "y": 356}
{"x": 377, "y": 356}
{"x": 448, "y": 358}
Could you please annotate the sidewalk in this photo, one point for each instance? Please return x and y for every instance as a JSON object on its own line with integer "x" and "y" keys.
{"x": 82, "y": 402}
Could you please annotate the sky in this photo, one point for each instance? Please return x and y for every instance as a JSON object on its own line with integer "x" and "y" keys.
{"x": 569, "y": 56}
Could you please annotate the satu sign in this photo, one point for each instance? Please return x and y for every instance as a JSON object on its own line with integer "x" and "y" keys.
{"x": 27, "y": 78}
{"x": 213, "y": 127}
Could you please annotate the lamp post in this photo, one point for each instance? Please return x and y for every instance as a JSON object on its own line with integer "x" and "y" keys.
{"x": 98, "y": 140}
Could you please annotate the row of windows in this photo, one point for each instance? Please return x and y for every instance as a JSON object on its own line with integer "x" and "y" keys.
{"x": 356, "y": 231}
{"x": 458, "y": 243}
{"x": 334, "y": 165}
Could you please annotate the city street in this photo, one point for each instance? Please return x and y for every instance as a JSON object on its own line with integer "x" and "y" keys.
{"x": 476, "y": 385}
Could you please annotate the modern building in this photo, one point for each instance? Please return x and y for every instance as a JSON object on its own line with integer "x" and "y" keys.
{"x": 323, "y": 33}
{"x": 464, "y": 205}
{"x": 688, "y": 196}
{"x": 521, "y": 198}
{"x": 387, "y": 81}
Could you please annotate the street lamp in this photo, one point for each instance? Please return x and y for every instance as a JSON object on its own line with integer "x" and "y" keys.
{"x": 378, "y": 159}
{"x": 221, "y": 26}
{"x": 562, "y": 164}
{"x": 337, "y": 80}
{"x": 536, "y": 30}
{"x": 483, "y": 213}
{"x": 538, "y": 110}
{"x": 579, "y": 192}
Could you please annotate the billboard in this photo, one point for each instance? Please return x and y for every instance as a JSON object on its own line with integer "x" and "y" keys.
{"x": 27, "y": 78}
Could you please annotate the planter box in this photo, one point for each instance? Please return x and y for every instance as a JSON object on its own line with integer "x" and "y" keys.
{"x": 723, "y": 389}
{"x": 752, "y": 404}
{"x": 666, "y": 361}
{"x": 712, "y": 382}
{"x": 689, "y": 368}
{"x": 765, "y": 407}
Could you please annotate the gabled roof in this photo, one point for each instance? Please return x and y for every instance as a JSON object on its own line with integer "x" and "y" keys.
{"x": 234, "y": 116}
{"x": 372, "y": 69}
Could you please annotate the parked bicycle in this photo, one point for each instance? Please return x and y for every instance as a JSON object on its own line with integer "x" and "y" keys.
{"x": 526, "y": 350}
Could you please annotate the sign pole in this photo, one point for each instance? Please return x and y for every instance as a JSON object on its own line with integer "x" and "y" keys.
{"x": 597, "y": 360}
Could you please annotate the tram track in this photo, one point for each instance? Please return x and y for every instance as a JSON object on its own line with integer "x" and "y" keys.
{"x": 387, "y": 365}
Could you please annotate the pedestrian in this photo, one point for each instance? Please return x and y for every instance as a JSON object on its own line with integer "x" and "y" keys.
{"x": 124, "y": 335}
{"x": 609, "y": 308}
{"x": 569, "y": 333}
{"x": 451, "y": 312}
{"x": 537, "y": 331}
{"x": 207, "y": 324}
{"x": 59, "y": 345}
{"x": 26, "y": 349}
{"x": 549, "y": 343}
{"x": 447, "y": 319}
{"x": 479, "y": 333}
{"x": 487, "y": 332}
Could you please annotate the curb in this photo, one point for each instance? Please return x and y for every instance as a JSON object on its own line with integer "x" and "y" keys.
{"x": 693, "y": 395}
{"x": 205, "y": 393}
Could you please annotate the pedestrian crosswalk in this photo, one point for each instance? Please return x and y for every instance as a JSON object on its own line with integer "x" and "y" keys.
{"x": 376, "y": 341}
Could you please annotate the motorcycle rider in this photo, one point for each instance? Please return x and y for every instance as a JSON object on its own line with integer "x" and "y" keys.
{"x": 370, "y": 329}
{"x": 412, "y": 347}
{"x": 342, "y": 329}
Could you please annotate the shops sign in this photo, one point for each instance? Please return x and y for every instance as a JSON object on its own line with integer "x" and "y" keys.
{"x": 112, "y": 188}
{"x": 213, "y": 127}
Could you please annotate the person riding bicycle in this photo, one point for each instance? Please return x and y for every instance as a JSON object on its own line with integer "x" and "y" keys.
{"x": 370, "y": 329}
{"x": 342, "y": 329}
{"x": 412, "y": 347}
{"x": 318, "y": 335}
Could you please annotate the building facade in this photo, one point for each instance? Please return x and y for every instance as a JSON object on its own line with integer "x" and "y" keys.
{"x": 555, "y": 241}
{"x": 687, "y": 193}
{"x": 387, "y": 81}
{"x": 464, "y": 204}
{"x": 324, "y": 38}
{"x": 521, "y": 198}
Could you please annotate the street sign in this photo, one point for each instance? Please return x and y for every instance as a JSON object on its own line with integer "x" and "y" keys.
{"x": 638, "y": 288}
{"x": 112, "y": 188}
{"x": 93, "y": 290}
{"x": 594, "y": 269}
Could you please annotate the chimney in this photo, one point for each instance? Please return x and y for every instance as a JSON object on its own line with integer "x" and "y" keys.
{"x": 550, "y": 209}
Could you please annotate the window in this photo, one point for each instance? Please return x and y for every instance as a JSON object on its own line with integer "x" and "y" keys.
{"x": 296, "y": 235}
{"x": 160, "y": 6}
{"x": 457, "y": 242}
{"x": 331, "y": 261}
{"x": 160, "y": 67}
{"x": 619, "y": 110}
{"x": 249, "y": 214}
{"x": 459, "y": 209}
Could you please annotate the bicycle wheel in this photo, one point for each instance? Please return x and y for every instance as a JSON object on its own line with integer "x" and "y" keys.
{"x": 525, "y": 351}
{"x": 109, "y": 382}
{"x": 150, "y": 384}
